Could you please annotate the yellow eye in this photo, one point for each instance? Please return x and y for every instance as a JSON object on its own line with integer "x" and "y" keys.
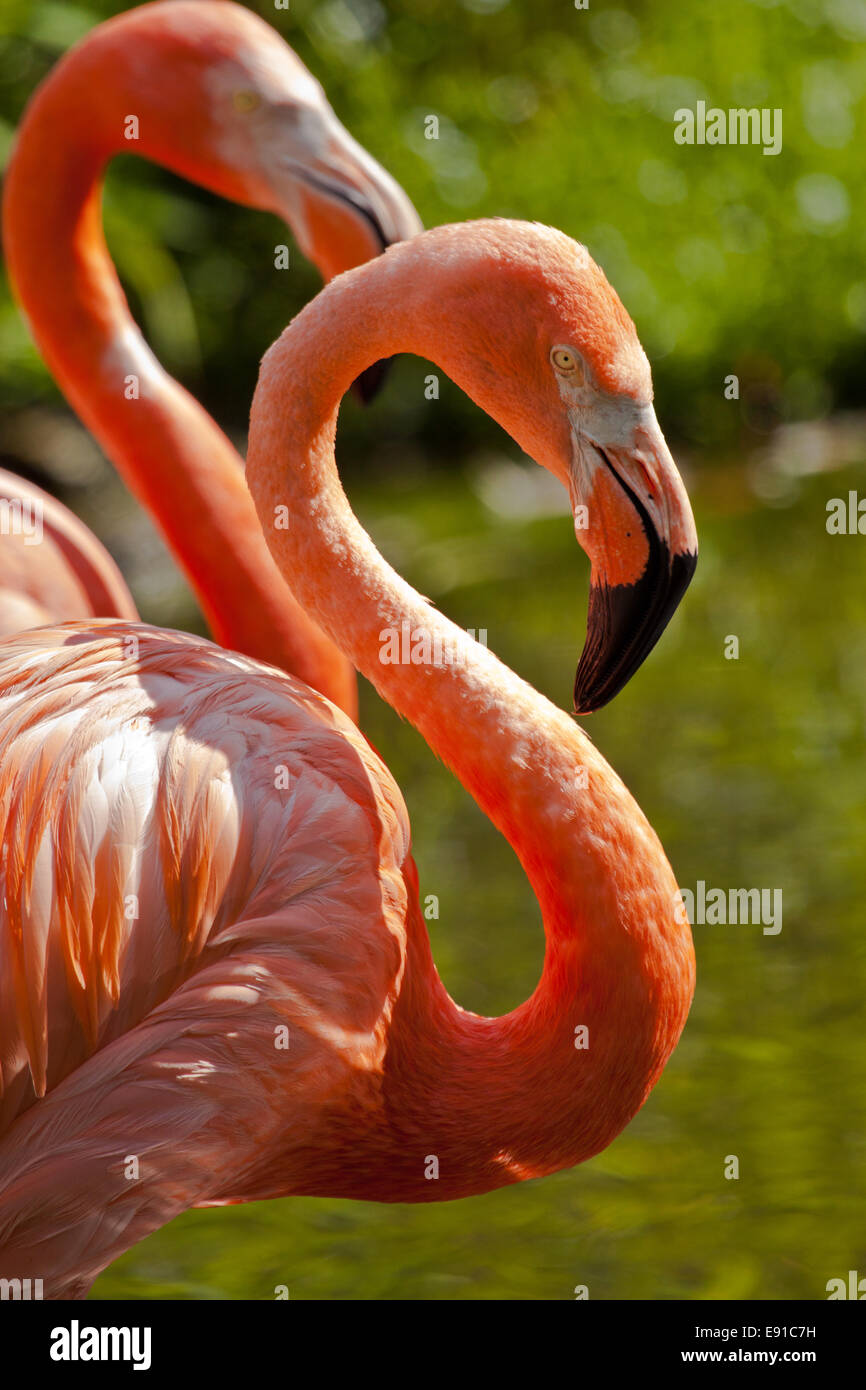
{"x": 564, "y": 360}
{"x": 246, "y": 101}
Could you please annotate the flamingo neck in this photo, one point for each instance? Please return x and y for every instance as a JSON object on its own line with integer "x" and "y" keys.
{"x": 172, "y": 455}
{"x": 551, "y": 1083}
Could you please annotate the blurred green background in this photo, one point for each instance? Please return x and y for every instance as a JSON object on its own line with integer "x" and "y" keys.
{"x": 751, "y": 770}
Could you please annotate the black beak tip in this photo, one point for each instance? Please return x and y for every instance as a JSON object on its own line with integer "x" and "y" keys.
{"x": 589, "y": 695}
{"x": 368, "y": 385}
{"x": 623, "y": 625}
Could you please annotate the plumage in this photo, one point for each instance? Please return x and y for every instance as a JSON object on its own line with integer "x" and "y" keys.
{"x": 149, "y": 779}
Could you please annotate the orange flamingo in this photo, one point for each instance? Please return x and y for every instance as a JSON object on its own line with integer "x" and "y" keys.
{"x": 211, "y": 91}
{"x": 215, "y": 979}
{"x": 51, "y": 566}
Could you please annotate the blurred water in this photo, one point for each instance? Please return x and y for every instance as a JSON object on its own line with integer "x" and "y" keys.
{"x": 752, "y": 772}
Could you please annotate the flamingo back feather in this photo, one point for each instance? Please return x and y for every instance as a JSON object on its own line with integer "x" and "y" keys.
{"x": 158, "y": 797}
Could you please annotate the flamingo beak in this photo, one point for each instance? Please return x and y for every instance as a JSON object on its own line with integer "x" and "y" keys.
{"x": 351, "y": 211}
{"x": 634, "y": 519}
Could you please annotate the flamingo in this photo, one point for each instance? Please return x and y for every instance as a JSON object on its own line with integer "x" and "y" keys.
{"x": 216, "y": 983}
{"x": 212, "y": 92}
{"x": 51, "y": 566}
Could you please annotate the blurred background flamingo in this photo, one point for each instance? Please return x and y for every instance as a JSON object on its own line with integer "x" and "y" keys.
{"x": 235, "y": 110}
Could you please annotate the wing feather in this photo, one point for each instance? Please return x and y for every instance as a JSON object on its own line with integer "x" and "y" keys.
{"x": 164, "y": 806}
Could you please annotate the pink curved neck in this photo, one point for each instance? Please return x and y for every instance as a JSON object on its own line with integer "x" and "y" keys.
{"x": 173, "y": 456}
{"x": 495, "y": 1099}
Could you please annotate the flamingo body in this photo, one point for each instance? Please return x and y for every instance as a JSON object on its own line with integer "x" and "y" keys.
{"x": 150, "y": 778}
{"x": 216, "y": 981}
{"x": 171, "y": 915}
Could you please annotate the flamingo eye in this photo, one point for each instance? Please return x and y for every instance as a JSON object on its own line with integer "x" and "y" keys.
{"x": 566, "y": 362}
{"x": 246, "y": 101}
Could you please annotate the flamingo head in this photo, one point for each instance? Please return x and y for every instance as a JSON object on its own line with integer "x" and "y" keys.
{"x": 547, "y": 348}
{"x": 342, "y": 206}
{"x": 247, "y": 120}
